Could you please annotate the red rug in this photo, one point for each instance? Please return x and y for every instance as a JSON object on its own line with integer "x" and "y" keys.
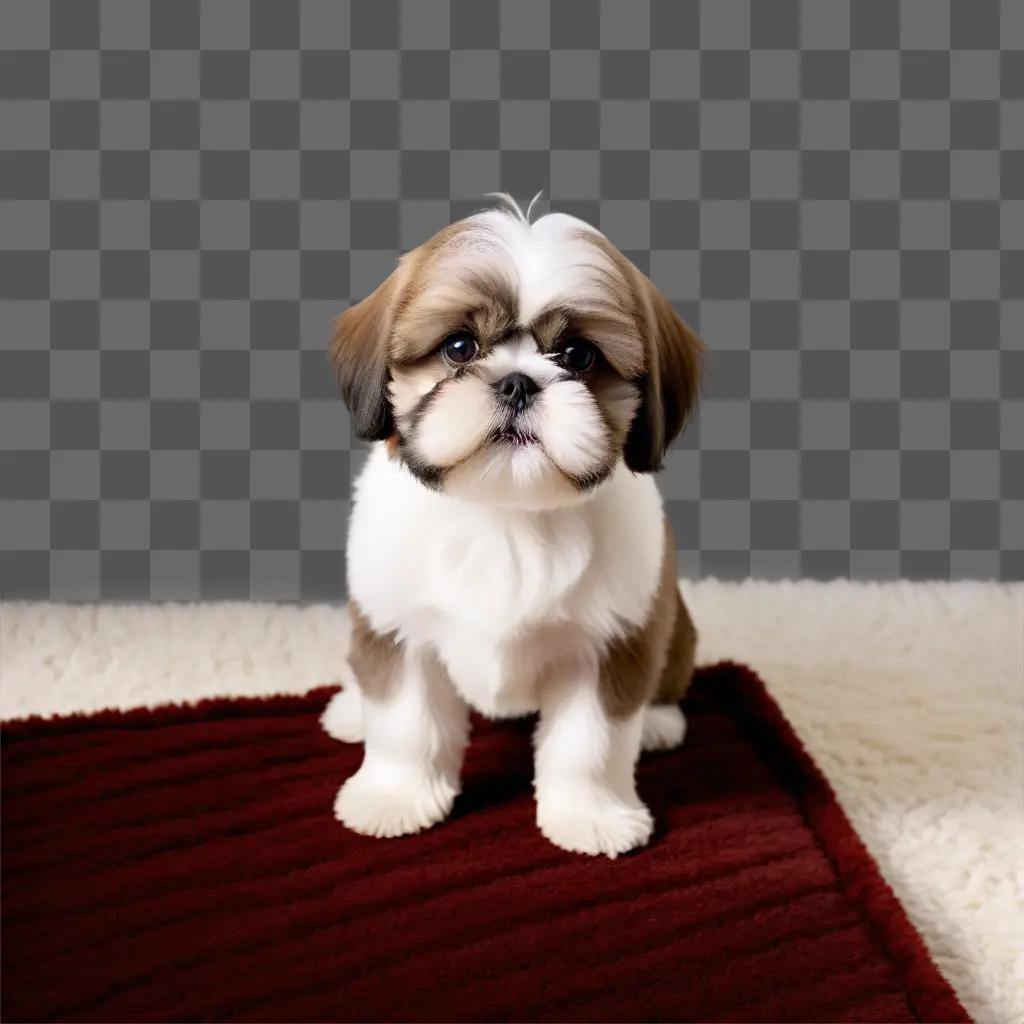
{"x": 183, "y": 864}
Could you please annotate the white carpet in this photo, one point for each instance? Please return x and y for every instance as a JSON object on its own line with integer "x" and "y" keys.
{"x": 909, "y": 696}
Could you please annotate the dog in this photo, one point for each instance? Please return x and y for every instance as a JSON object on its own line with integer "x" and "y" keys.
{"x": 508, "y": 550}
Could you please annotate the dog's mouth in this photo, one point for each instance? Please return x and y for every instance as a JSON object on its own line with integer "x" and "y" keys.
{"x": 515, "y": 437}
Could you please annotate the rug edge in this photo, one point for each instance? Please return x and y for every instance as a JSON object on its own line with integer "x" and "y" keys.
{"x": 931, "y": 996}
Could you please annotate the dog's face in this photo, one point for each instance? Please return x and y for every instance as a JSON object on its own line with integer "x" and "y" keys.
{"x": 517, "y": 363}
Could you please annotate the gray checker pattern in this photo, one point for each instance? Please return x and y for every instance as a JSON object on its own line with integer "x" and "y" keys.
{"x": 831, "y": 192}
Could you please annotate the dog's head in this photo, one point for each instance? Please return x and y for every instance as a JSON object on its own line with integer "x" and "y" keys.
{"x": 516, "y": 363}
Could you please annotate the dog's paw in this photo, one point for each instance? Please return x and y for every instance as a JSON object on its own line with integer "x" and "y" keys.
{"x": 342, "y": 719}
{"x": 664, "y": 727}
{"x": 603, "y": 825}
{"x": 374, "y": 807}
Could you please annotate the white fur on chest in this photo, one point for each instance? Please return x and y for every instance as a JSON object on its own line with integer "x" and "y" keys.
{"x": 502, "y": 593}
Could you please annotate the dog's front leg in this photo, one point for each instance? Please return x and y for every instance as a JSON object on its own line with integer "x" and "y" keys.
{"x": 584, "y": 765}
{"x": 416, "y": 728}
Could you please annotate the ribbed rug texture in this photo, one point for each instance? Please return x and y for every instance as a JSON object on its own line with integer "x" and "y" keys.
{"x": 183, "y": 863}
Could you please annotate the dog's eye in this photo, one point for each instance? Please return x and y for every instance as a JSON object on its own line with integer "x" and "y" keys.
{"x": 459, "y": 349}
{"x": 577, "y": 355}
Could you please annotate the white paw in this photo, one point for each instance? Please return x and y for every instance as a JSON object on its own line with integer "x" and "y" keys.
{"x": 604, "y": 826}
{"x": 664, "y": 727}
{"x": 343, "y": 716}
{"x": 376, "y": 807}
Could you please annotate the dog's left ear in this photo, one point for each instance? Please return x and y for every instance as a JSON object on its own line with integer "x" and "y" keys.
{"x": 671, "y": 385}
{"x": 358, "y": 356}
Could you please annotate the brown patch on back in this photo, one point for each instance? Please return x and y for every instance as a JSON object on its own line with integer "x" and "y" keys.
{"x": 375, "y": 658}
{"x": 682, "y": 649}
{"x": 656, "y": 660}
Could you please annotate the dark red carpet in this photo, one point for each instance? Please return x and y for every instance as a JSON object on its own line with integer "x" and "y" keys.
{"x": 183, "y": 864}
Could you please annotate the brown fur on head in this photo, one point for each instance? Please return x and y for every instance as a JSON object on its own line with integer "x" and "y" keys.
{"x": 521, "y": 292}
{"x": 673, "y": 361}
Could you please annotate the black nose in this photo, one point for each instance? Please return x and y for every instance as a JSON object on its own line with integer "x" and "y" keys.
{"x": 517, "y": 390}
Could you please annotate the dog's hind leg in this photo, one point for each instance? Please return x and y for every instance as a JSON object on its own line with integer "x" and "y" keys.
{"x": 342, "y": 719}
{"x": 664, "y": 725}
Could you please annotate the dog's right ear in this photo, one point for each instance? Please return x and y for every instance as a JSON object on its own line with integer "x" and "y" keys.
{"x": 358, "y": 356}
{"x": 672, "y": 381}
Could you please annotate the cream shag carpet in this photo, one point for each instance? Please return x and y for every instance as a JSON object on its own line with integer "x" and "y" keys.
{"x": 909, "y": 696}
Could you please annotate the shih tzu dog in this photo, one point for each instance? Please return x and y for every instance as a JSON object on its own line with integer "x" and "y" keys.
{"x": 508, "y": 550}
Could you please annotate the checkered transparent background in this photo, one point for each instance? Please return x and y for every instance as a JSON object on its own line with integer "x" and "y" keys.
{"x": 831, "y": 192}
